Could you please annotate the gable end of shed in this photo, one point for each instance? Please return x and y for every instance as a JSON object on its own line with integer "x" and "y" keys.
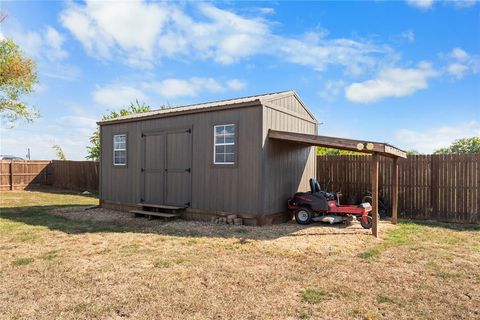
{"x": 292, "y": 103}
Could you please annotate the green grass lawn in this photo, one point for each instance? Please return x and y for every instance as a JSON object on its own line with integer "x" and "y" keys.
{"x": 63, "y": 262}
{"x": 29, "y": 211}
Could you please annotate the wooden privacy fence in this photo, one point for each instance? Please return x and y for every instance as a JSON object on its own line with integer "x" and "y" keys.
{"x": 17, "y": 175}
{"x": 433, "y": 187}
{"x": 75, "y": 175}
{"x": 72, "y": 175}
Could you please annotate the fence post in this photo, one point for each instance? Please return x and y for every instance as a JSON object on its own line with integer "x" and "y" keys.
{"x": 434, "y": 187}
{"x": 374, "y": 177}
{"x": 394, "y": 193}
{"x": 11, "y": 175}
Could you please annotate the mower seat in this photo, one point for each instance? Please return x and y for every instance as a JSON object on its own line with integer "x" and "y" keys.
{"x": 314, "y": 185}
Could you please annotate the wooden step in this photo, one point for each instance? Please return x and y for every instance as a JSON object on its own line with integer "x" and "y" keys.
{"x": 159, "y": 206}
{"x": 157, "y": 214}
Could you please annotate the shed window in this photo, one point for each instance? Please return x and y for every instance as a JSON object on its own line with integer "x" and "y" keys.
{"x": 225, "y": 148}
{"x": 120, "y": 150}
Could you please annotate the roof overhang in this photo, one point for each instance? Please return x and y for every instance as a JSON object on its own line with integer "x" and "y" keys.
{"x": 370, "y": 147}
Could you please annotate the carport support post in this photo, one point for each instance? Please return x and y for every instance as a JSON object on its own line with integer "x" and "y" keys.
{"x": 395, "y": 191}
{"x": 374, "y": 178}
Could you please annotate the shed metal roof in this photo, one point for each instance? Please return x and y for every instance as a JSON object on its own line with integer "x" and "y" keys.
{"x": 245, "y": 101}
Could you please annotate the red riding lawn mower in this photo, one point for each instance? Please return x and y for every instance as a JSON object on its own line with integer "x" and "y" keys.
{"x": 317, "y": 205}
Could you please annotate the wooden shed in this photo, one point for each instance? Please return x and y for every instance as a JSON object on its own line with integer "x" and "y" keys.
{"x": 211, "y": 158}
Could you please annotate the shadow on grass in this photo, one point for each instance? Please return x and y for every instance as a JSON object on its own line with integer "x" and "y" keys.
{"x": 56, "y": 191}
{"x": 41, "y": 216}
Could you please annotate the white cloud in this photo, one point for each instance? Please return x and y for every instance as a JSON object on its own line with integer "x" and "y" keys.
{"x": 430, "y": 140}
{"x": 399, "y": 82}
{"x": 461, "y": 63}
{"x": 175, "y": 88}
{"x": 30, "y": 42}
{"x": 105, "y": 29}
{"x": 216, "y": 34}
{"x": 154, "y": 30}
{"x": 457, "y": 70}
{"x": 239, "y": 37}
{"x": 54, "y": 42}
{"x": 391, "y": 82}
{"x": 422, "y": 4}
{"x": 267, "y": 10}
{"x": 236, "y": 84}
{"x": 427, "y": 4}
{"x": 314, "y": 51}
{"x": 61, "y": 71}
{"x": 464, "y": 3}
{"x": 409, "y": 35}
{"x": 48, "y": 43}
{"x": 117, "y": 96}
{"x": 459, "y": 54}
{"x": 224, "y": 37}
{"x": 331, "y": 90}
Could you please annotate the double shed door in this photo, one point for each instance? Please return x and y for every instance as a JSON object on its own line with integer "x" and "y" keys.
{"x": 167, "y": 177}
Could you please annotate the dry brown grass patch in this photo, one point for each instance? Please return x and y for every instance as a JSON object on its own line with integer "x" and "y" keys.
{"x": 107, "y": 264}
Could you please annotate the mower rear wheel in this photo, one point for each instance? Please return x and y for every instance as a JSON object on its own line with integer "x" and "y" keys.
{"x": 367, "y": 225}
{"x": 303, "y": 216}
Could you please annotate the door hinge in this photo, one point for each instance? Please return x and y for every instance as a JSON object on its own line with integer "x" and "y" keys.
{"x": 187, "y": 204}
{"x": 188, "y": 130}
{"x": 143, "y": 135}
{"x": 142, "y": 200}
{"x": 142, "y": 170}
{"x": 188, "y": 170}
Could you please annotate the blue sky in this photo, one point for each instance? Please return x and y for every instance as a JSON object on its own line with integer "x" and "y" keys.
{"x": 402, "y": 72}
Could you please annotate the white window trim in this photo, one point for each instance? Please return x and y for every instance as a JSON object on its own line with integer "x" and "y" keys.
{"x": 215, "y": 144}
{"x": 125, "y": 149}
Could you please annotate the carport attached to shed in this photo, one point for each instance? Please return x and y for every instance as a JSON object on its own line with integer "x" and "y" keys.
{"x": 373, "y": 148}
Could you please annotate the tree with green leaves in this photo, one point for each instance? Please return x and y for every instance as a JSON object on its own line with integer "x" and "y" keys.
{"x": 94, "y": 150}
{"x": 465, "y": 145}
{"x": 59, "y": 152}
{"x": 412, "y": 152}
{"x": 17, "y": 77}
{"x": 322, "y": 151}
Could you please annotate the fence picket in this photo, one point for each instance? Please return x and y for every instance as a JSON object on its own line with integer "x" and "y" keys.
{"x": 433, "y": 187}
{"x": 72, "y": 175}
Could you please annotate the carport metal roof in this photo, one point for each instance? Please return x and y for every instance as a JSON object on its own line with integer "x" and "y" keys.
{"x": 383, "y": 149}
{"x": 371, "y": 147}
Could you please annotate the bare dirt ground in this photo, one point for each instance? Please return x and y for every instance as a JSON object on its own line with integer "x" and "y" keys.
{"x": 59, "y": 261}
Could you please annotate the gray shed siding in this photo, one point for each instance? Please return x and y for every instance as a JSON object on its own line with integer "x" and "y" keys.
{"x": 291, "y": 103}
{"x": 287, "y": 167}
{"x": 234, "y": 189}
{"x": 266, "y": 172}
